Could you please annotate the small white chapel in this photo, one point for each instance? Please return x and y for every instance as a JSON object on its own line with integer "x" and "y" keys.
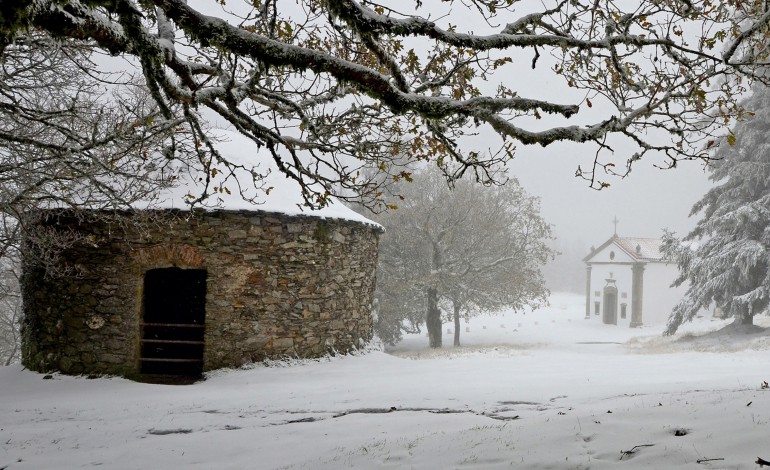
{"x": 628, "y": 282}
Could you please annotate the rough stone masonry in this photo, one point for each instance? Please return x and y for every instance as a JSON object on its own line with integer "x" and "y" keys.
{"x": 276, "y": 286}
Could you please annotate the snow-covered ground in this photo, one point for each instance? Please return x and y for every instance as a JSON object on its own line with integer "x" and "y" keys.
{"x": 543, "y": 390}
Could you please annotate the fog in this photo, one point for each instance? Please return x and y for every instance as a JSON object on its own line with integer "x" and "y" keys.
{"x": 648, "y": 200}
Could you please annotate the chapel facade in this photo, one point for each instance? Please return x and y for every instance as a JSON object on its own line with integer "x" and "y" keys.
{"x": 628, "y": 282}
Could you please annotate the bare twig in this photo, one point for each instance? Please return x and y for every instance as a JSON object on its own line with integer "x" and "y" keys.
{"x": 633, "y": 450}
{"x": 709, "y": 460}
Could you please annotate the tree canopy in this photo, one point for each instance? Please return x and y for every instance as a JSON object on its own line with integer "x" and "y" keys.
{"x": 462, "y": 250}
{"x": 331, "y": 88}
{"x": 724, "y": 259}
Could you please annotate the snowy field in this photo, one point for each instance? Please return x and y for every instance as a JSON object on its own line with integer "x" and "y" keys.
{"x": 545, "y": 390}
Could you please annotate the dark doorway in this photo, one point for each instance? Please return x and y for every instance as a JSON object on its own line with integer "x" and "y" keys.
{"x": 173, "y": 322}
{"x": 610, "y": 304}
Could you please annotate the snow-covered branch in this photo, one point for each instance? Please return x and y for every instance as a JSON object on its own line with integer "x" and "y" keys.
{"x": 337, "y": 89}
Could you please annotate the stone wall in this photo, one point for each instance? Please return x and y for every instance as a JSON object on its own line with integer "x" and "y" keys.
{"x": 276, "y": 285}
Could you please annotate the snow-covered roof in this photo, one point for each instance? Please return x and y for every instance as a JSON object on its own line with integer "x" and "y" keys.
{"x": 639, "y": 249}
{"x": 642, "y": 249}
{"x": 278, "y": 193}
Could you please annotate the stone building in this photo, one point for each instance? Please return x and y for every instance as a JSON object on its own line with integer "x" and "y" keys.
{"x": 198, "y": 290}
{"x": 217, "y": 289}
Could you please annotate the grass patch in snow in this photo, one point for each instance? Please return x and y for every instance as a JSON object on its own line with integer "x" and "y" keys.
{"x": 725, "y": 337}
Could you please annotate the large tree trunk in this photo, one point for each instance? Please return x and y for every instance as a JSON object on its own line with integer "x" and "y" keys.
{"x": 744, "y": 316}
{"x": 433, "y": 319}
{"x": 456, "y": 306}
{"x": 747, "y": 317}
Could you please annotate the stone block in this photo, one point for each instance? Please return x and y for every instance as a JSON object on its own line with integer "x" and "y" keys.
{"x": 236, "y": 234}
{"x": 283, "y": 343}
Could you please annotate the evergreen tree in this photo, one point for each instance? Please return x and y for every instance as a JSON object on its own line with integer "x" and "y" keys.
{"x": 728, "y": 266}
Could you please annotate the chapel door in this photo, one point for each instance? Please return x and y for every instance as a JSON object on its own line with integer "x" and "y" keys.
{"x": 174, "y": 314}
{"x": 610, "y": 304}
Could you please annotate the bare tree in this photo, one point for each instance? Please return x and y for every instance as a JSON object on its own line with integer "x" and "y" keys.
{"x": 470, "y": 248}
{"x": 73, "y": 137}
{"x": 330, "y": 87}
{"x": 400, "y": 295}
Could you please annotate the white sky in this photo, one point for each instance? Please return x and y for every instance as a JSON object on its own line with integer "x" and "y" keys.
{"x": 645, "y": 202}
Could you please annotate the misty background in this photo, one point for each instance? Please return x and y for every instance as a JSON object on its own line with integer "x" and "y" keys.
{"x": 645, "y": 202}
